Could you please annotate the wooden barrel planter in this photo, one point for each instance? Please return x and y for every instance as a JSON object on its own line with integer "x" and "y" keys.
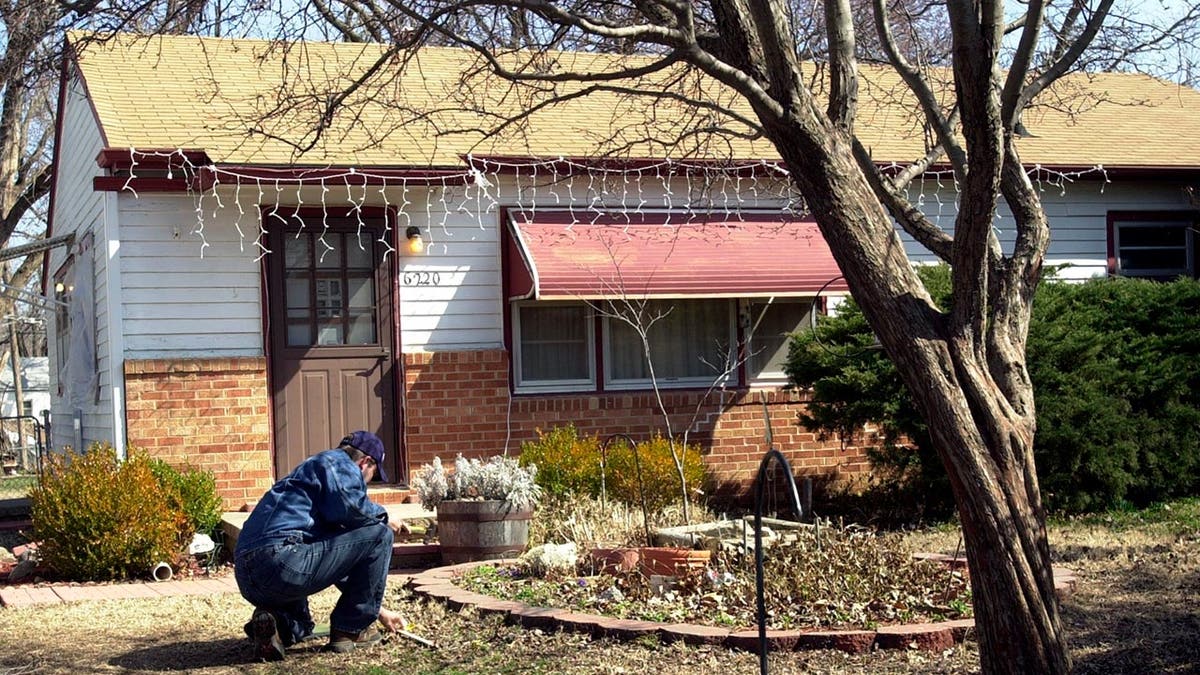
{"x": 481, "y": 530}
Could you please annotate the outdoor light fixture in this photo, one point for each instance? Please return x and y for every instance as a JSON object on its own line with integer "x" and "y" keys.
{"x": 415, "y": 245}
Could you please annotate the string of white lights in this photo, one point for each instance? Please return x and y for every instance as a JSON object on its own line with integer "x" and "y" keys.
{"x": 603, "y": 189}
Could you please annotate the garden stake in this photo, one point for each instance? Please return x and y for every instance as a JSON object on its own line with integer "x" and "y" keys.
{"x": 417, "y": 639}
{"x": 758, "y": 552}
{"x": 637, "y": 465}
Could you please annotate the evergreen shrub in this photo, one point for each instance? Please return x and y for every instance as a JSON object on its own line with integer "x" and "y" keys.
{"x": 1115, "y": 365}
{"x": 660, "y": 477}
{"x": 193, "y": 491}
{"x": 98, "y": 518}
{"x": 567, "y": 462}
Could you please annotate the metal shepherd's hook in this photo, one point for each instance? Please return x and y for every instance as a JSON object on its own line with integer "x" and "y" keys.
{"x": 759, "y": 483}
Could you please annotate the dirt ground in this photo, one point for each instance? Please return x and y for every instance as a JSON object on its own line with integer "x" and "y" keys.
{"x": 1136, "y": 610}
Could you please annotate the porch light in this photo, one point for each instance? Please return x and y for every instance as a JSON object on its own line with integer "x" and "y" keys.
{"x": 415, "y": 245}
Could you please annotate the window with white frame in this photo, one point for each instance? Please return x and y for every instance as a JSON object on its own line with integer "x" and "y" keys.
{"x": 689, "y": 343}
{"x": 771, "y": 323}
{"x": 1155, "y": 248}
{"x": 692, "y": 343}
{"x": 553, "y": 347}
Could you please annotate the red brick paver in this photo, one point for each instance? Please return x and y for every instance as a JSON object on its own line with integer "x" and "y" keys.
{"x": 438, "y": 584}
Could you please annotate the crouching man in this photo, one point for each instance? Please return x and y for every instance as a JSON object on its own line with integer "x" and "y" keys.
{"x": 313, "y": 529}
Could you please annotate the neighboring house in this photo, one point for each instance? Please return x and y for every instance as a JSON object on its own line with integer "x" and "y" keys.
{"x": 21, "y": 432}
{"x": 237, "y": 304}
{"x": 35, "y": 387}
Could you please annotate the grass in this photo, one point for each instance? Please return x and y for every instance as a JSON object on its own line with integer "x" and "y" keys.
{"x": 1133, "y": 612}
{"x": 1175, "y": 517}
{"x": 16, "y": 487}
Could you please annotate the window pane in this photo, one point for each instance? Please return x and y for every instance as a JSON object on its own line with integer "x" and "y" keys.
{"x": 1154, "y": 250}
{"x": 687, "y": 339}
{"x": 297, "y": 252}
{"x": 1161, "y": 259}
{"x": 329, "y": 296}
{"x": 771, "y": 325}
{"x": 554, "y": 343}
{"x": 362, "y": 328}
{"x": 330, "y": 333}
{"x": 360, "y": 251}
{"x": 362, "y": 291}
{"x": 299, "y": 328}
{"x": 296, "y": 291}
{"x": 1166, "y": 235}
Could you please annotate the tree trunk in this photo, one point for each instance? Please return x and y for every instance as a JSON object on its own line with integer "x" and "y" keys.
{"x": 1016, "y": 610}
{"x": 983, "y": 432}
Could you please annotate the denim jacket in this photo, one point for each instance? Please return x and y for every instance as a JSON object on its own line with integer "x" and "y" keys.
{"x": 325, "y": 495}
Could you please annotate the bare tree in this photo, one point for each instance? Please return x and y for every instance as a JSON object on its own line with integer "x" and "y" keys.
{"x": 31, "y": 40}
{"x": 794, "y": 69}
{"x": 965, "y": 367}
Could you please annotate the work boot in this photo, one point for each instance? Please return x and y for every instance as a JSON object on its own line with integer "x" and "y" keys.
{"x": 341, "y": 641}
{"x": 265, "y": 634}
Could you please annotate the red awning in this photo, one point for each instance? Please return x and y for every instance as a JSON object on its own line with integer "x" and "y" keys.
{"x": 560, "y": 255}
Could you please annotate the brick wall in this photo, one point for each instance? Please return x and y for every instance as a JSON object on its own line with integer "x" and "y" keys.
{"x": 213, "y": 413}
{"x": 459, "y": 402}
{"x": 209, "y": 413}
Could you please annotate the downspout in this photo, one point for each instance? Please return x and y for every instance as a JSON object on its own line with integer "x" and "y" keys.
{"x": 400, "y": 377}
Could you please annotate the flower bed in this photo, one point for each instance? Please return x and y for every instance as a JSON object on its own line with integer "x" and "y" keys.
{"x": 835, "y": 579}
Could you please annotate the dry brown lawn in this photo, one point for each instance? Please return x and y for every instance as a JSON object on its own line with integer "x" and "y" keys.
{"x": 1135, "y": 611}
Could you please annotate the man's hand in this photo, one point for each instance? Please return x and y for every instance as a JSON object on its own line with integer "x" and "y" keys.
{"x": 392, "y": 621}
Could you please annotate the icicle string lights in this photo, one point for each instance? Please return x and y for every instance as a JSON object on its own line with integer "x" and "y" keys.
{"x": 707, "y": 187}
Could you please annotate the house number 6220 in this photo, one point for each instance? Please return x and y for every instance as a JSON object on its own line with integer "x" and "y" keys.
{"x": 422, "y": 279}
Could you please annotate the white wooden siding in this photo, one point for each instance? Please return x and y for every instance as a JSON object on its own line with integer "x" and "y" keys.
{"x": 78, "y": 209}
{"x": 178, "y": 304}
{"x": 1078, "y": 218}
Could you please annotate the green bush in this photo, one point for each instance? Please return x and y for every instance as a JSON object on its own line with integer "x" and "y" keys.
{"x": 570, "y": 463}
{"x": 98, "y": 518}
{"x": 855, "y": 386}
{"x": 194, "y": 492}
{"x": 1116, "y": 370}
{"x": 660, "y": 477}
{"x": 1115, "y": 365}
{"x": 566, "y": 461}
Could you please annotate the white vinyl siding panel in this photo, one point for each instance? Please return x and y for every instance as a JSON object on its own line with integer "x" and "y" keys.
{"x": 1078, "y": 217}
{"x": 79, "y": 209}
{"x": 183, "y": 299}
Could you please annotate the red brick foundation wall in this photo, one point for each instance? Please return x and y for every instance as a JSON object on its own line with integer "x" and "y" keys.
{"x": 209, "y": 413}
{"x": 459, "y": 402}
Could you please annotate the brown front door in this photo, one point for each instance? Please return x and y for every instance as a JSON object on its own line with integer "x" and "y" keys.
{"x": 330, "y": 328}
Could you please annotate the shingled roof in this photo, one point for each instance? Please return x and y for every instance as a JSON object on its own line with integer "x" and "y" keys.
{"x": 247, "y": 102}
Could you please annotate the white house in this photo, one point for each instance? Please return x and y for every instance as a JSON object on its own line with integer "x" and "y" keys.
{"x": 242, "y": 291}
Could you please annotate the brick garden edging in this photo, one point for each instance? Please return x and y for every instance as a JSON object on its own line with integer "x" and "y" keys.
{"x": 438, "y": 584}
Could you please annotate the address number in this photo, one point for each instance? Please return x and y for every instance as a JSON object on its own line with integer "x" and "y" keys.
{"x": 422, "y": 279}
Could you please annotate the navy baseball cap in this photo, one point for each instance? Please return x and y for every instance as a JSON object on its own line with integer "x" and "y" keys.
{"x": 371, "y": 446}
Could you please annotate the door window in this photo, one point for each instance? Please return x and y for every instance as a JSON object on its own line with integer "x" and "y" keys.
{"x": 329, "y": 289}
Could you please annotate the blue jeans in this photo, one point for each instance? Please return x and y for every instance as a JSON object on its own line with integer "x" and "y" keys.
{"x": 279, "y": 577}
